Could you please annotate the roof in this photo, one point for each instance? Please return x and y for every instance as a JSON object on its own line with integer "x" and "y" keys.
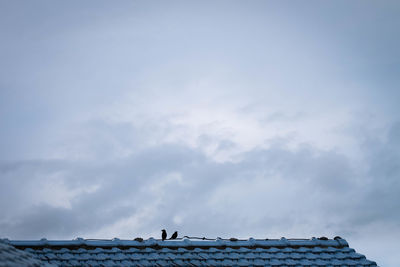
{"x": 195, "y": 252}
{"x": 10, "y": 257}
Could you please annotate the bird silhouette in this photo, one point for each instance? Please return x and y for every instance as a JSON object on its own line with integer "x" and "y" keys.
{"x": 164, "y": 234}
{"x": 174, "y": 235}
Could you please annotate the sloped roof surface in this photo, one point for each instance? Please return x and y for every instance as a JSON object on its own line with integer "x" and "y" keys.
{"x": 189, "y": 252}
{"x": 10, "y": 257}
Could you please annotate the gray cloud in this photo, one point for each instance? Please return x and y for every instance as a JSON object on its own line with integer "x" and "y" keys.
{"x": 265, "y": 192}
{"x": 178, "y": 181}
{"x": 219, "y": 119}
{"x": 382, "y": 184}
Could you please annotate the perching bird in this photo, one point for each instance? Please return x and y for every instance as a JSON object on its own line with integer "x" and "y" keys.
{"x": 164, "y": 234}
{"x": 174, "y": 235}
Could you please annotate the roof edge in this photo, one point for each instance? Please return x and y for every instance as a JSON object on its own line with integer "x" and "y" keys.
{"x": 184, "y": 242}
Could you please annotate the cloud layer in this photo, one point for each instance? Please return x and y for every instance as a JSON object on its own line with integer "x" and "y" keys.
{"x": 214, "y": 119}
{"x": 263, "y": 192}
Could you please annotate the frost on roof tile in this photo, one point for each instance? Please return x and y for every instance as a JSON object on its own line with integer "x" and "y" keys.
{"x": 192, "y": 252}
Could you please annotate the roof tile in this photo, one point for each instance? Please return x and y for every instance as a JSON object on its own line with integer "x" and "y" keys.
{"x": 188, "y": 252}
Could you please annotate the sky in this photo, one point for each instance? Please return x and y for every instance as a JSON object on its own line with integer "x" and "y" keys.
{"x": 261, "y": 119}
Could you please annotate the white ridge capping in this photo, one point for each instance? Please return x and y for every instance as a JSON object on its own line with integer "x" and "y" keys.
{"x": 284, "y": 241}
{"x": 252, "y": 241}
{"x": 117, "y": 241}
{"x": 151, "y": 241}
{"x": 80, "y": 240}
{"x": 177, "y": 243}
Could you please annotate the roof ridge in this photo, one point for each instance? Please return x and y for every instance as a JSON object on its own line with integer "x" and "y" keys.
{"x": 184, "y": 242}
{"x": 191, "y": 238}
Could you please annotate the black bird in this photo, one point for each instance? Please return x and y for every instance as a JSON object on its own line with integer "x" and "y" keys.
{"x": 174, "y": 235}
{"x": 164, "y": 234}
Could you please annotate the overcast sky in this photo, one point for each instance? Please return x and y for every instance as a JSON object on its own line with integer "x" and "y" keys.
{"x": 220, "y": 119}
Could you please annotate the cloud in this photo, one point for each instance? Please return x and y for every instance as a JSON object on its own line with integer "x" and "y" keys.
{"x": 261, "y": 119}
{"x": 266, "y": 191}
{"x": 382, "y": 185}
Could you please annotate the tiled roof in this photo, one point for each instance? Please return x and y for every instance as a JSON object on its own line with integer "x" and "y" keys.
{"x": 191, "y": 252}
{"x": 10, "y": 257}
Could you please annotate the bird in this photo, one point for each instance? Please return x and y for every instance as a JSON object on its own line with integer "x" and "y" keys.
{"x": 164, "y": 234}
{"x": 174, "y": 235}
